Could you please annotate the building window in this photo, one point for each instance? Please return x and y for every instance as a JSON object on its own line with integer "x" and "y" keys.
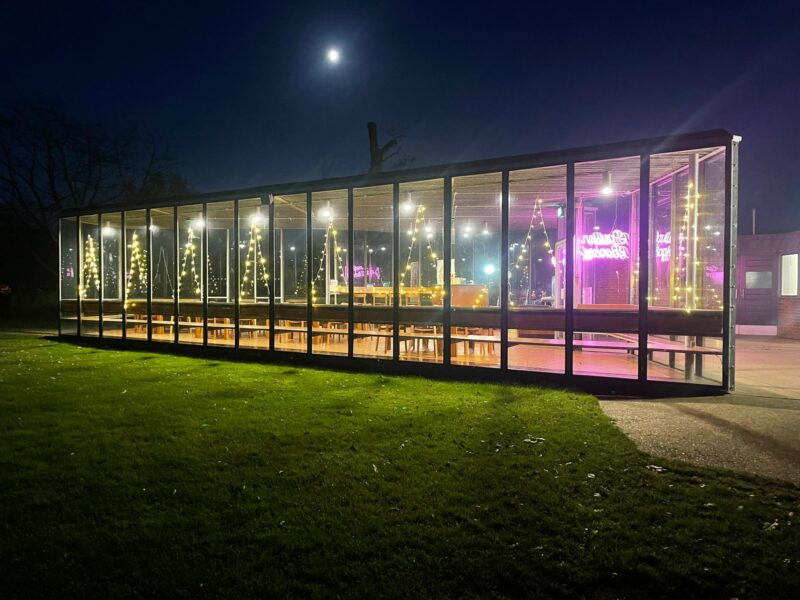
{"x": 758, "y": 280}
{"x": 789, "y": 275}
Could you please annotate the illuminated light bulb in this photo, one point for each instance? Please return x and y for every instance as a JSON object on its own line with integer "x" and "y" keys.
{"x": 606, "y": 188}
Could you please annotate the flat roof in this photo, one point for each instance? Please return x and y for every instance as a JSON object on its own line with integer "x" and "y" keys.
{"x": 646, "y": 146}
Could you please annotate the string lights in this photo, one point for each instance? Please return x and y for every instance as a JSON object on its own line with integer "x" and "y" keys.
{"x": 91, "y": 272}
{"x": 414, "y": 231}
{"x": 189, "y": 267}
{"x": 521, "y": 262}
{"x": 136, "y": 280}
{"x": 255, "y": 263}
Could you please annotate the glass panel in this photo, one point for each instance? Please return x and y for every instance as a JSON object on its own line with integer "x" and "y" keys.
{"x": 687, "y": 223}
{"x": 475, "y": 283}
{"x": 789, "y": 275}
{"x": 329, "y": 291}
{"x": 113, "y": 274}
{"x": 221, "y": 274}
{"x": 68, "y": 271}
{"x": 255, "y": 276}
{"x": 190, "y": 277}
{"x": 694, "y": 358}
{"x": 162, "y": 235}
{"x": 90, "y": 275}
{"x": 686, "y": 253}
{"x": 758, "y": 280}
{"x": 421, "y": 270}
{"x": 373, "y": 294}
{"x": 291, "y": 266}
{"x": 136, "y": 274}
{"x": 536, "y": 262}
{"x": 606, "y": 267}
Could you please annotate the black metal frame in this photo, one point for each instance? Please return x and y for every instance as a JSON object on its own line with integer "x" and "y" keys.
{"x": 641, "y": 148}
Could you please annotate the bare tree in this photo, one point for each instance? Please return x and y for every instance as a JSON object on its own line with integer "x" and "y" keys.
{"x": 50, "y": 162}
{"x": 379, "y": 156}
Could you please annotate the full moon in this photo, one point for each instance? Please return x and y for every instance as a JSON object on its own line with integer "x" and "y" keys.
{"x": 333, "y": 56}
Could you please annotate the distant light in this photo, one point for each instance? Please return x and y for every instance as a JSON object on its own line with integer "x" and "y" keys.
{"x": 326, "y": 213}
{"x": 489, "y": 269}
{"x": 485, "y": 229}
{"x": 428, "y": 229}
{"x": 256, "y": 219}
{"x": 468, "y": 228}
{"x": 408, "y": 206}
{"x": 334, "y": 56}
{"x": 199, "y": 223}
{"x": 466, "y": 235}
{"x": 153, "y": 228}
{"x": 109, "y": 231}
{"x": 371, "y": 250}
{"x": 291, "y": 248}
{"x": 383, "y": 248}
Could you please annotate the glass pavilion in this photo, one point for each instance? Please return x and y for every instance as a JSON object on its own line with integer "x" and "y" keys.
{"x": 609, "y": 266}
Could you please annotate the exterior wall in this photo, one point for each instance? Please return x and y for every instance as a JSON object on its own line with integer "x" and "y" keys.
{"x": 763, "y": 250}
{"x": 789, "y": 318}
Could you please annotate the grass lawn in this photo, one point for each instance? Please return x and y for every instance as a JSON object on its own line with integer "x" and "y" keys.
{"x": 131, "y": 474}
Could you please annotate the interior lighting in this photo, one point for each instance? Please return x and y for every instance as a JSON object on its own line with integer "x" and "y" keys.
{"x": 607, "y": 189}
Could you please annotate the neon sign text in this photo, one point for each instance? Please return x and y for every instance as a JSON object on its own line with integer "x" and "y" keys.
{"x": 614, "y": 245}
{"x": 663, "y": 243}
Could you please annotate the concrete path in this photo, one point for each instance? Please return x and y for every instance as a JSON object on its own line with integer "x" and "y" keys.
{"x": 756, "y": 429}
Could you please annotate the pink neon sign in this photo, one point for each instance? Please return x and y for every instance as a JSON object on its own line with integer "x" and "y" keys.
{"x": 614, "y": 245}
{"x": 663, "y": 243}
{"x": 373, "y": 273}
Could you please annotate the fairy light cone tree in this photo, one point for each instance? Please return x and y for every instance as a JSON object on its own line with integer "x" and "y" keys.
{"x": 330, "y": 234}
{"x": 190, "y": 274}
{"x": 255, "y": 266}
{"x": 91, "y": 272}
{"x": 137, "y": 276}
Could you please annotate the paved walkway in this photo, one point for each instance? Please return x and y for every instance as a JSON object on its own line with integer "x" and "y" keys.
{"x": 755, "y": 429}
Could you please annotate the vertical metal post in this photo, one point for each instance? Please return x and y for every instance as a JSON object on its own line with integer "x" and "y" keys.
{"x": 569, "y": 272}
{"x": 60, "y": 275}
{"x": 504, "y": 211}
{"x": 177, "y": 276}
{"x": 644, "y": 261}
{"x": 271, "y": 263}
{"x": 395, "y": 271}
{"x": 350, "y": 286}
{"x": 100, "y": 291}
{"x": 309, "y": 275}
{"x": 446, "y": 304}
{"x": 204, "y": 272}
{"x": 123, "y": 280}
{"x": 691, "y": 230}
{"x": 79, "y": 273}
{"x": 237, "y": 276}
{"x": 279, "y": 257}
{"x": 149, "y": 266}
{"x": 729, "y": 281}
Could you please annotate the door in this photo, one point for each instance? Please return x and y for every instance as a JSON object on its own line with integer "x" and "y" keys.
{"x": 756, "y": 292}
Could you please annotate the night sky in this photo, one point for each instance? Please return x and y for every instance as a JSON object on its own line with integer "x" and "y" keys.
{"x": 240, "y": 94}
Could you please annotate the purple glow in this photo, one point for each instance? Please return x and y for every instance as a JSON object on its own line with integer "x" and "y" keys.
{"x": 612, "y": 246}
{"x": 663, "y": 244}
{"x": 372, "y": 273}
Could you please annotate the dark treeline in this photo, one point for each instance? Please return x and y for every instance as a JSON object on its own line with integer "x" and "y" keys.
{"x": 50, "y": 162}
